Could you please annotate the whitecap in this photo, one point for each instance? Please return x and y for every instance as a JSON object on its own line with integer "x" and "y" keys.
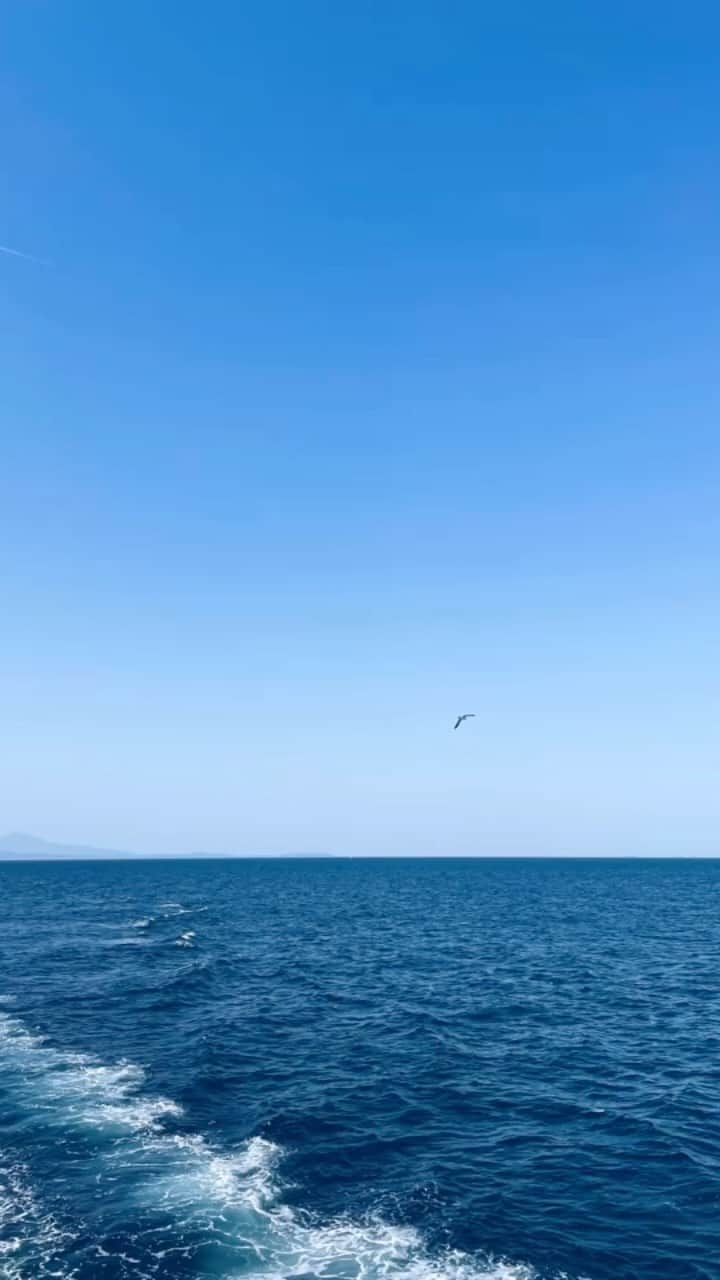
{"x": 173, "y": 909}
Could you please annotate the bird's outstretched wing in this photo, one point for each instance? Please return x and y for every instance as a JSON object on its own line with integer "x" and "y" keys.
{"x": 469, "y": 715}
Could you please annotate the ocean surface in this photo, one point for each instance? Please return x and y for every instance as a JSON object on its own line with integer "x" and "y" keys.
{"x": 479, "y": 1070}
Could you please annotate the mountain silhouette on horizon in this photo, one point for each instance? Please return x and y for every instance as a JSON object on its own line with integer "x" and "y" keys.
{"x": 19, "y": 844}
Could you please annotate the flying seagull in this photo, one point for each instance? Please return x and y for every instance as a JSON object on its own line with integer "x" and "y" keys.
{"x": 469, "y": 715}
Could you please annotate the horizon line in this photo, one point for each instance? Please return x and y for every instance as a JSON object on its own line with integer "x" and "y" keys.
{"x": 360, "y": 857}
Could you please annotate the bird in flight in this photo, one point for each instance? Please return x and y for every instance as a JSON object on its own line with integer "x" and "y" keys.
{"x": 469, "y": 715}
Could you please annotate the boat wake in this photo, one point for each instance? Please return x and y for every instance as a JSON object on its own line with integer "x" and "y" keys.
{"x": 158, "y": 1202}
{"x": 25, "y": 1230}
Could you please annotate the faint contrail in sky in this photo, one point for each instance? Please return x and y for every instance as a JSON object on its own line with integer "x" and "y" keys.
{"x": 30, "y": 257}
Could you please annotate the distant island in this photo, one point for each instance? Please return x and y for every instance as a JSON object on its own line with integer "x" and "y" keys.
{"x": 20, "y": 847}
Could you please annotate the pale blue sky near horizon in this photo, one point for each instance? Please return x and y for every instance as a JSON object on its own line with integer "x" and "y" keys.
{"x": 368, "y": 375}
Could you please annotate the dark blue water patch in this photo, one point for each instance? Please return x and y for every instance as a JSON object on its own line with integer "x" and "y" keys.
{"x": 365, "y": 1068}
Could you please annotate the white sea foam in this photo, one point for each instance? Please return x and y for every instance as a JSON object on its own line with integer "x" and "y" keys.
{"x": 29, "y": 1237}
{"x": 244, "y": 1189}
{"x": 174, "y": 909}
{"x": 231, "y": 1198}
{"x": 76, "y": 1087}
{"x": 143, "y": 923}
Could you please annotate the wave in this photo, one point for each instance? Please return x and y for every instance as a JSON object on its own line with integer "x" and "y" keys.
{"x": 180, "y": 1194}
{"x": 173, "y": 909}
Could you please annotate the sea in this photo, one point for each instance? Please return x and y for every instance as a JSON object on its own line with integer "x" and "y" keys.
{"x": 349, "y": 1069}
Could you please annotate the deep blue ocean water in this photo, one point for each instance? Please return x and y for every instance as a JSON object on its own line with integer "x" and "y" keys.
{"x": 413, "y": 1069}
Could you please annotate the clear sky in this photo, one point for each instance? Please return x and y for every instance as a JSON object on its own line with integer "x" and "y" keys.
{"x": 370, "y": 375}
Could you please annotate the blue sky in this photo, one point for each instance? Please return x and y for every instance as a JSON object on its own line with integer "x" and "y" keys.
{"x": 369, "y": 376}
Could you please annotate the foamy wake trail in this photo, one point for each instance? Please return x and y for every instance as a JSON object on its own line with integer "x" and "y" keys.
{"x": 241, "y": 1193}
{"x": 186, "y": 1202}
{"x": 66, "y": 1088}
{"x": 25, "y": 1228}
